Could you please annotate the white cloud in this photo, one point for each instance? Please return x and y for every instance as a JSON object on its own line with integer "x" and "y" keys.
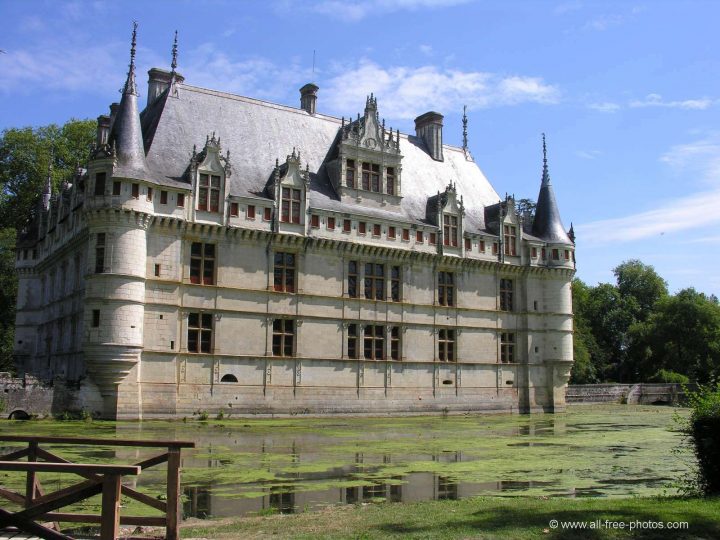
{"x": 700, "y": 158}
{"x": 656, "y": 100}
{"x": 355, "y": 10}
{"x": 567, "y": 7}
{"x": 604, "y": 22}
{"x": 588, "y": 154}
{"x": 606, "y": 107}
{"x": 404, "y": 92}
{"x": 427, "y": 50}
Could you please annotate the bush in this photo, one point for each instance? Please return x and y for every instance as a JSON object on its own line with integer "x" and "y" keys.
{"x": 703, "y": 429}
{"x": 667, "y": 376}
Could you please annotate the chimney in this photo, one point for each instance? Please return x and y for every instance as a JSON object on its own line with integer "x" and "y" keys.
{"x": 308, "y": 97}
{"x": 103, "y": 129}
{"x": 428, "y": 127}
{"x": 158, "y": 82}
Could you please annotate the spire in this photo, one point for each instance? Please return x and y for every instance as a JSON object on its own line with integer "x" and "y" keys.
{"x": 547, "y": 224}
{"x": 47, "y": 191}
{"x": 126, "y": 131}
{"x": 173, "y": 64}
{"x": 464, "y": 122}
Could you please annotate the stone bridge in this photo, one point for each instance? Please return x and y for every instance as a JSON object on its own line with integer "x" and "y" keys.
{"x": 631, "y": 394}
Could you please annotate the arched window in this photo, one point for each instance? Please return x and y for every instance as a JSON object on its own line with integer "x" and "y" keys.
{"x": 229, "y": 378}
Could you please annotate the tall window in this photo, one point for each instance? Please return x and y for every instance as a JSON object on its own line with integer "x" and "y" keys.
{"x": 202, "y": 263}
{"x": 506, "y": 295}
{"x": 331, "y": 223}
{"x": 391, "y": 180}
{"x": 284, "y": 278}
{"x": 135, "y": 191}
{"x": 450, "y": 230}
{"x": 352, "y": 341}
{"x": 347, "y": 225}
{"x": 507, "y": 347}
{"x": 395, "y": 283}
{"x": 510, "y": 238}
{"x": 366, "y": 176}
{"x": 100, "y": 183}
{"x": 446, "y": 288}
{"x": 446, "y": 345}
{"x": 199, "y": 336}
{"x": 395, "y": 342}
{"x": 374, "y": 281}
{"x": 555, "y": 255}
{"x": 181, "y": 200}
{"x": 117, "y": 186}
{"x": 283, "y": 337}
{"x": 353, "y": 279}
{"x": 290, "y": 205}
{"x": 374, "y": 342}
{"x": 350, "y": 173}
{"x": 163, "y": 197}
{"x": 100, "y": 253}
{"x": 209, "y": 193}
{"x": 391, "y": 233}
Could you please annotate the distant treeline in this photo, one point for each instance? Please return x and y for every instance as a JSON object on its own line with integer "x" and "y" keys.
{"x": 634, "y": 331}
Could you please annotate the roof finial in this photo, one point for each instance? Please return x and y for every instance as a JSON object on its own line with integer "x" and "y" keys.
{"x": 464, "y": 122}
{"x": 173, "y": 64}
{"x": 546, "y": 173}
{"x": 47, "y": 192}
{"x": 130, "y": 87}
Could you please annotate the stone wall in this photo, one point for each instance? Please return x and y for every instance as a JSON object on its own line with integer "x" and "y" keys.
{"x": 644, "y": 394}
{"x": 28, "y": 396}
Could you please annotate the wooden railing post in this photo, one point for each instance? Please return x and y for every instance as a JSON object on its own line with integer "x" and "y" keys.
{"x": 31, "y": 479}
{"x": 110, "y": 524}
{"x": 173, "y": 493}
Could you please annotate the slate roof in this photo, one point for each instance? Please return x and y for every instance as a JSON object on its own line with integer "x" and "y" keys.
{"x": 258, "y": 132}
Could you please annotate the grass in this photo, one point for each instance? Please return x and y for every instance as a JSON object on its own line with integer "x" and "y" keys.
{"x": 481, "y": 518}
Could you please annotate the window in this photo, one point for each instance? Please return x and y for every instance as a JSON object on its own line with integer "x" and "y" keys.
{"x": 495, "y": 248}
{"x": 116, "y": 187}
{"x": 235, "y": 209}
{"x": 468, "y": 244}
{"x": 149, "y": 194}
{"x": 395, "y": 283}
{"x": 376, "y": 230}
{"x": 374, "y": 342}
{"x": 100, "y": 253}
{"x": 283, "y": 337}
{"x": 510, "y": 238}
{"x": 267, "y": 214}
{"x": 366, "y": 176}
{"x": 390, "y": 180}
{"x": 432, "y": 238}
{"x": 350, "y": 173}
{"x": 406, "y": 235}
{"x": 199, "y": 337}
{"x": 450, "y": 230}
{"x": 100, "y": 183}
{"x": 352, "y": 341}
{"x": 290, "y": 205}
{"x": 506, "y": 295}
{"x": 446, "y": 288}
{"x": 181, "y": 200}
{"x": 347, "y": 225}
{"x": 446, "y": 345}
{"x": 567, "y": 254}
{"x": 136, "y": 191}
{"x": 374, "y": 281}
{"x": 361, "y": 227}
{"x": 391, "y": 233}
{"x": 353, "y": 279}
{"x": 375, "y": 178}
{"x": 481, "y": 246}
{"x": 543, "y": 254}
{"x": 229, "y": 378}
{"x": 419, "y": 237}
{"x": 157, "y": 271}
{"x": 284, "y": 278}
{"x": 315, "y": 221}
{"x": 95, "y": 318}
{"x": 202, "y": 263}
{"x": 533, "y": 253}
{"x": 209, "y": 192}
{"x": 395, "y": 342}
{"x": 507, "y": 347}
{"x": 331, "y": 223}
{"x": 555, "y": 255}
{"x": 163, "y": 197}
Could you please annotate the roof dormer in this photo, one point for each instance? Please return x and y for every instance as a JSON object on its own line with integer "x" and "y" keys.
{"x": 289, "y": 187}
{"x": 209, "y": 173}
{"x": 446, "y": 210}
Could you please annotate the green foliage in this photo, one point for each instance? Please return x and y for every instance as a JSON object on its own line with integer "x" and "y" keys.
{"x": 667, "y": 376}
{"x": 640, "y": 282}
{"x": 703, "y": 429}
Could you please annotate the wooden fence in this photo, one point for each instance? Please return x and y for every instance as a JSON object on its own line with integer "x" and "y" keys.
{"x": 39, "y": 506}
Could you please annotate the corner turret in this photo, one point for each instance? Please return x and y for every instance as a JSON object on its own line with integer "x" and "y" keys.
{"x": 547, "y": 224}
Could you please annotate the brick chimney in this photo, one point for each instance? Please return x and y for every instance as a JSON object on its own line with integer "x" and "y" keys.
{"x": 308, "y": 97}
{"x": 158, "y": 81}
{"x": 428, "y": 127}
{"x": 103, "y": 129}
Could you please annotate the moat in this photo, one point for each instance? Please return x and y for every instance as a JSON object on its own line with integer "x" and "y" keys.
{"x": 244, "y": 466}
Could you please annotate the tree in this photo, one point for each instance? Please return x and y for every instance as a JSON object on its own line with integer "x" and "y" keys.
{"x": 25, "y": 155}
{"x": 642, "y": 283}
{"x": 526, "y": 207}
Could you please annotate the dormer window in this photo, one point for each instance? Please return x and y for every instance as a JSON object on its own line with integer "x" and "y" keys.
{"x": 291, "y": 198}
{"x": 450, "y": 230}
{"x": 510, "y": 240}
{"x": 371, "y": 177}
{"x": 350, "y": 173}
{"x": 209, "y": 192}
{"x": 391, "y": 180}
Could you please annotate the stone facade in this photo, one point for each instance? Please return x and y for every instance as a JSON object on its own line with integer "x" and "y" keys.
{"x": 224, "y": 253}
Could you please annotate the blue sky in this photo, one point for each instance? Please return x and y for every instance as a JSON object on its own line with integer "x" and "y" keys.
{"x": 628, "y": 93}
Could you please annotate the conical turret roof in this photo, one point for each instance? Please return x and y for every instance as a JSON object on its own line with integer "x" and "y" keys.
{"x": 547, "y": 224}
